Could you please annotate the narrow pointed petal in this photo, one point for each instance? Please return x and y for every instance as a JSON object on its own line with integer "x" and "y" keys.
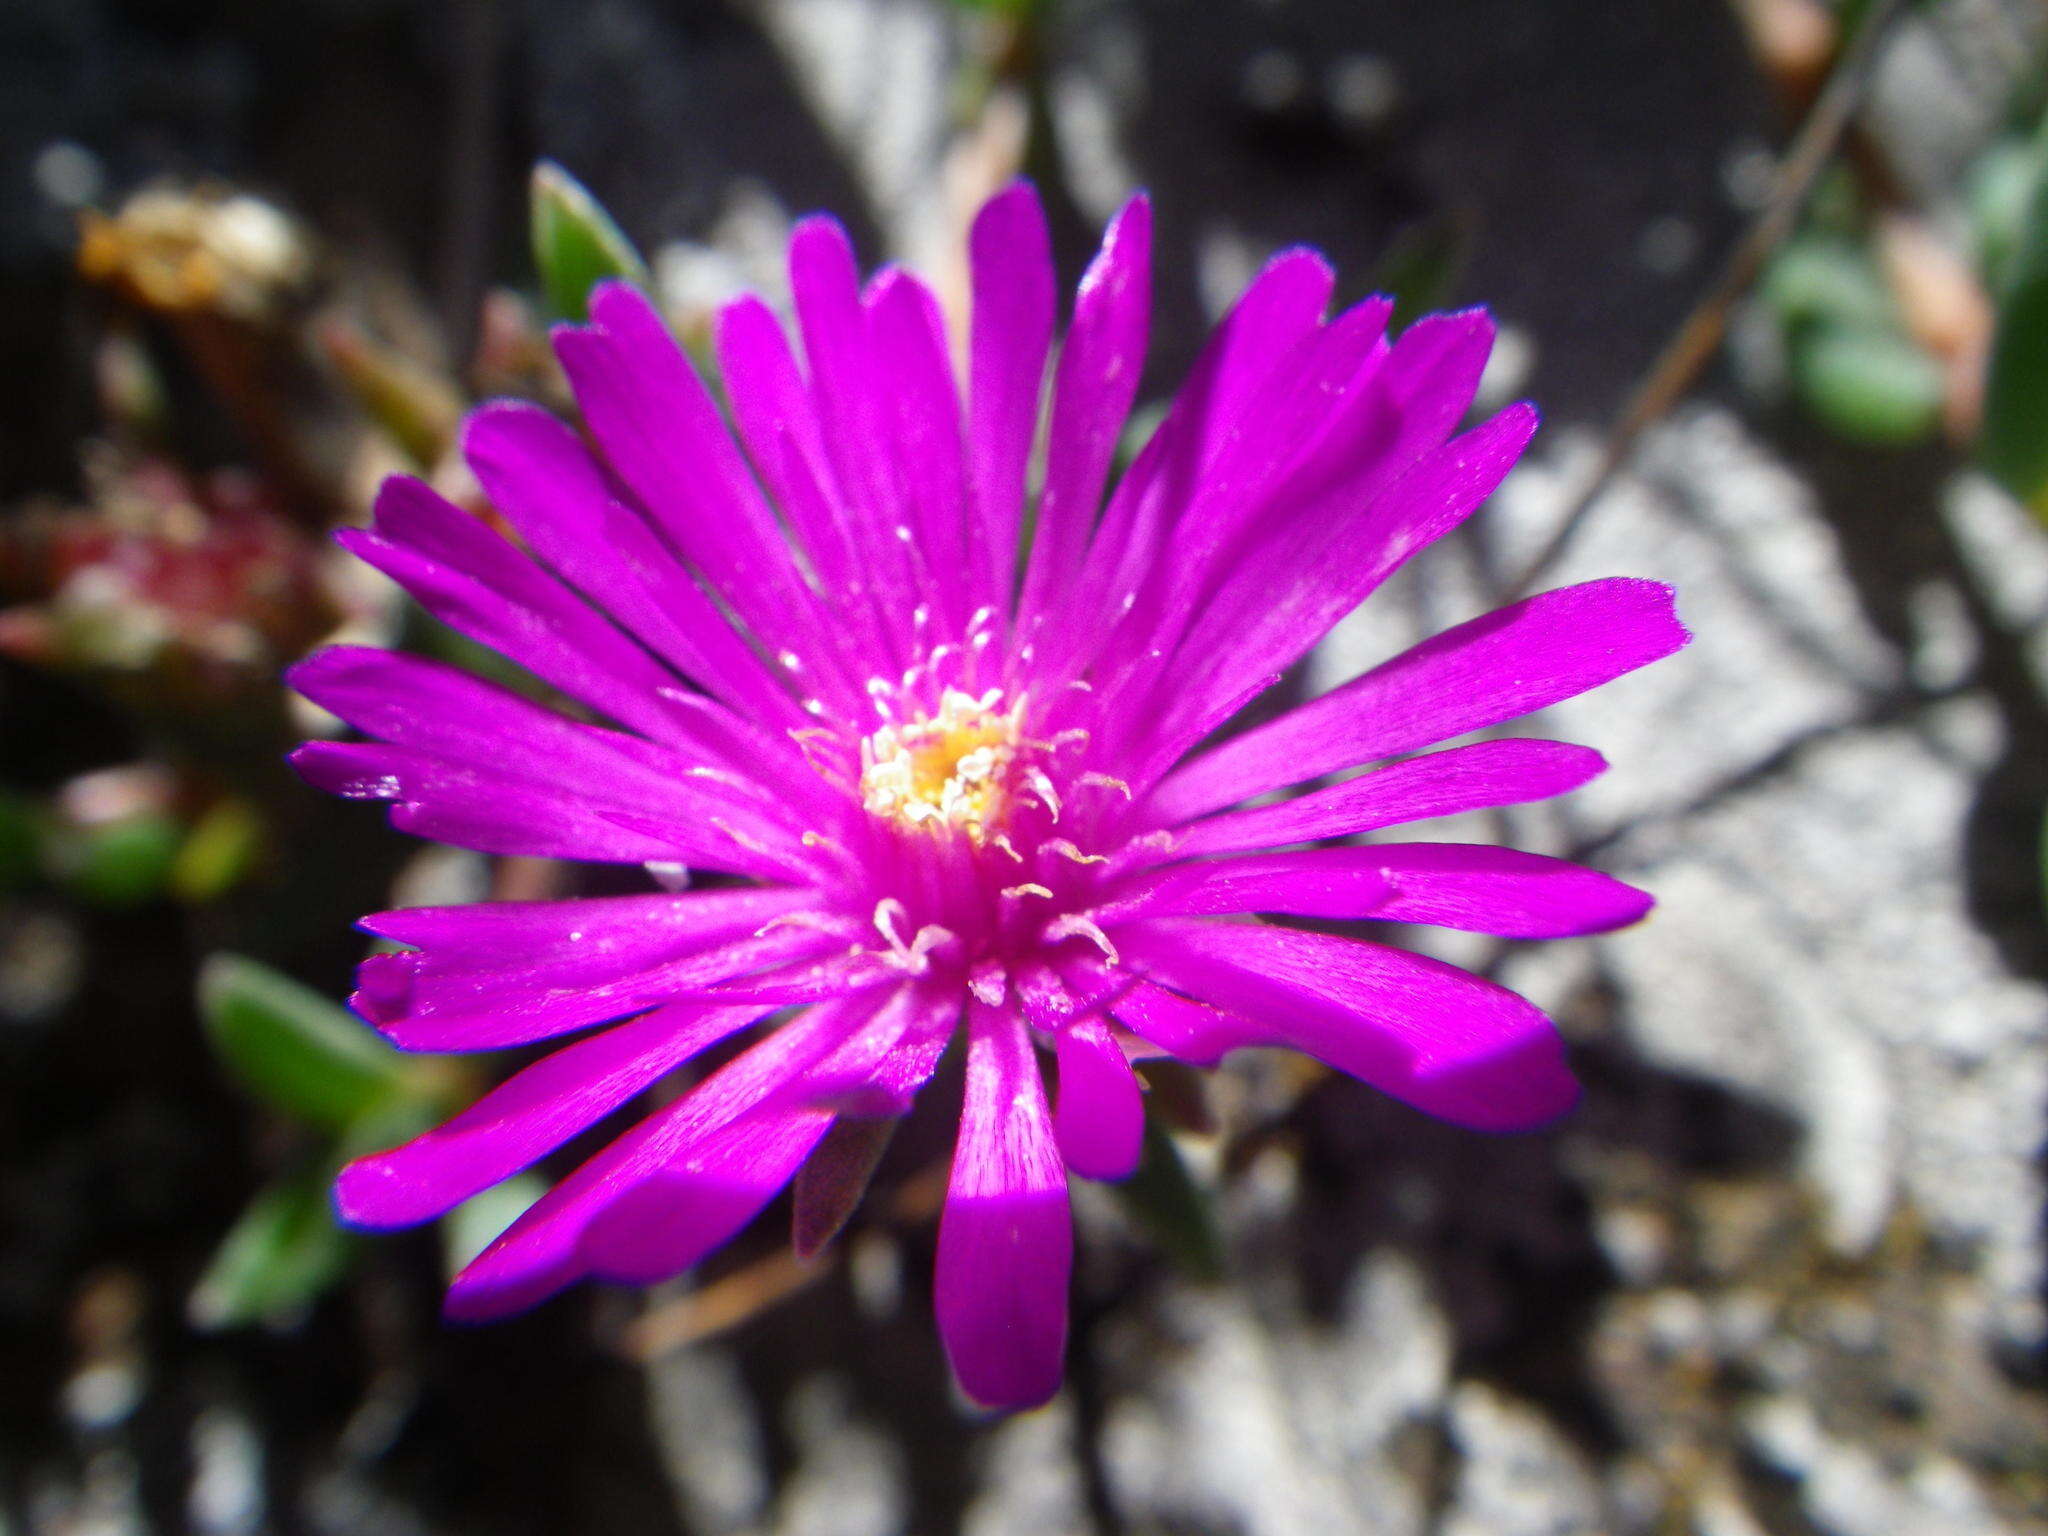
{"x": 1324, "y": 882}
{"x": 680, "y": 1214}
{"x": 1498, "y": 667}
{"x": 778, "y": 422}
{"x": 1485, "y": 774}
{"x": 1259, "y": 470}
{"x": 483, "y": 1010}
{"x": 1316, "y": 566}
{"x": 1010, "y": 253}
{"x": 471, "y": 578}
{"x": 1502, "y": 891}
{"x": 490, "y": 935}
{"x": 544, "y": 1249}
{"x": 472, "y": 807}
{"x": 538, "y": 473}
{"x": 853, "y": 411}
{"x": 1468, "y": 886}
{"x": 1447, "y": 1042}
{"x": 1006, "y": 1238}
{"x": 923, "y": 411}
{"x": 1280, "y": 308}
{"x": 518, "y": 971}
{"x": 663, "y": 435}
{"x": 1099, "y": 1117}
{"x": 527, "y": 1117}
{"x": 1101, "y": 363}
{"x": 712, "y": 1184}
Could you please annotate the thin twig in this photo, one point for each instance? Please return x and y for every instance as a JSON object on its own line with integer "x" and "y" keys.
{"x": 724, "y": 1304}
{"x": 1699, "y": 338}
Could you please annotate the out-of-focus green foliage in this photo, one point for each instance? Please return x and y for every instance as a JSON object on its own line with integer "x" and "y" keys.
{"x": 1164, "y": 1196}
{"x": 1421, "y": 268}
{"x": 218, "y": 852}
{"x": 576, "y": 244}
{"x": 295, "y": 1049}
{"x": 2015, "y": 443}
{"x": 1869, "y": 385}
{"x": 315, "y": 1063}
{"x": 277, "y": 1259}
{"x": 1827, "y": 279}
{"x": 470, "y": 1228}
{"x": 1997, "y": 194}
{"x": 1853, "y": 367}
{"x": 118, "y": 864}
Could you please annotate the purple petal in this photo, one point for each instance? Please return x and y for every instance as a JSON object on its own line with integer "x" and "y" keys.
{"x": 540, "y": 476}
{"x": 778, "y": 421}
{"x": 1010, "y": 253}
{"x": 660, "y": 430}
{"x": 886, "y": 1085}
{"x": 1101, "y": 362}
{"x": 470, "y": 578}
{"x": 710, "y": 1187}
{"x": 1006, "y": 1238}
{"x": 429, "y": 1010}
{"x": 1502, "y": 891}
{"x": 1487, "y": 773}
{"x": 1468, "y": 886}
{"x": 1498, "y": 667}
{"x": 459, "y": 730}
{"x": 1314, "y": 567}
{"x": 909, "y": 338}
{"x": 853, "y": 410}
{"x": 1427, "y": 1033}
{"x": 527, "y": 1117}
{"x": 1183, "y": 1028}
{"x": 630, "y": 929}
{"x": 1281, "y": 307}
{"x": 1332, "y": 375}
{"x": 544, "y": 1249}
{"x": 543, "y": 964}
{"x": 1326, "y": 882}
{"x": 1099, "y": 1118}
{"x": 678, "y": 1216}
{"x": 473, "y": 808}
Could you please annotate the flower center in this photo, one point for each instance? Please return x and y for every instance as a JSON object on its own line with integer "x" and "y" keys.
{"x": 944, "y": 771}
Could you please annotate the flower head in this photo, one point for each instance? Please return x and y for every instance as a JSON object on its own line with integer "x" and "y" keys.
{"x": 949, "y": 737}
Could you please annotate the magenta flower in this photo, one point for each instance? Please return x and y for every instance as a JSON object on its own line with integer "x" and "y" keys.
{"x": 941, "y": 729}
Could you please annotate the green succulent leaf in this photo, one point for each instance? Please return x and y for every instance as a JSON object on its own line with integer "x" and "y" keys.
{"x": 475, "y": 1224}
{"x": 118, "y": 864}
{"x": 296, "y": 1049}
{"x": 219, "y": 851}
{"x": 1827, "y": 279}
{"x": 1869, "y": 385}
{"x": 576, "y": 244}
{"x": 2015, "y": 443}
{"x": 1164, "y": 1197}
{"x": 277, "y": 1259}
{"x": 1997, "y": 193}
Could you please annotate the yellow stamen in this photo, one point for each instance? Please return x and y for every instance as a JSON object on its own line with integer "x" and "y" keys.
{"x": 950, "y": 770}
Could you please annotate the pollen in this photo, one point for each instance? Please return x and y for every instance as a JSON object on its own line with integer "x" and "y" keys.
{"x": 946, "y": 771}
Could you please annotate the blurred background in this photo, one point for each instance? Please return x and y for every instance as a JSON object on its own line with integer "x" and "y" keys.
{"x": 1777, "y": 272}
